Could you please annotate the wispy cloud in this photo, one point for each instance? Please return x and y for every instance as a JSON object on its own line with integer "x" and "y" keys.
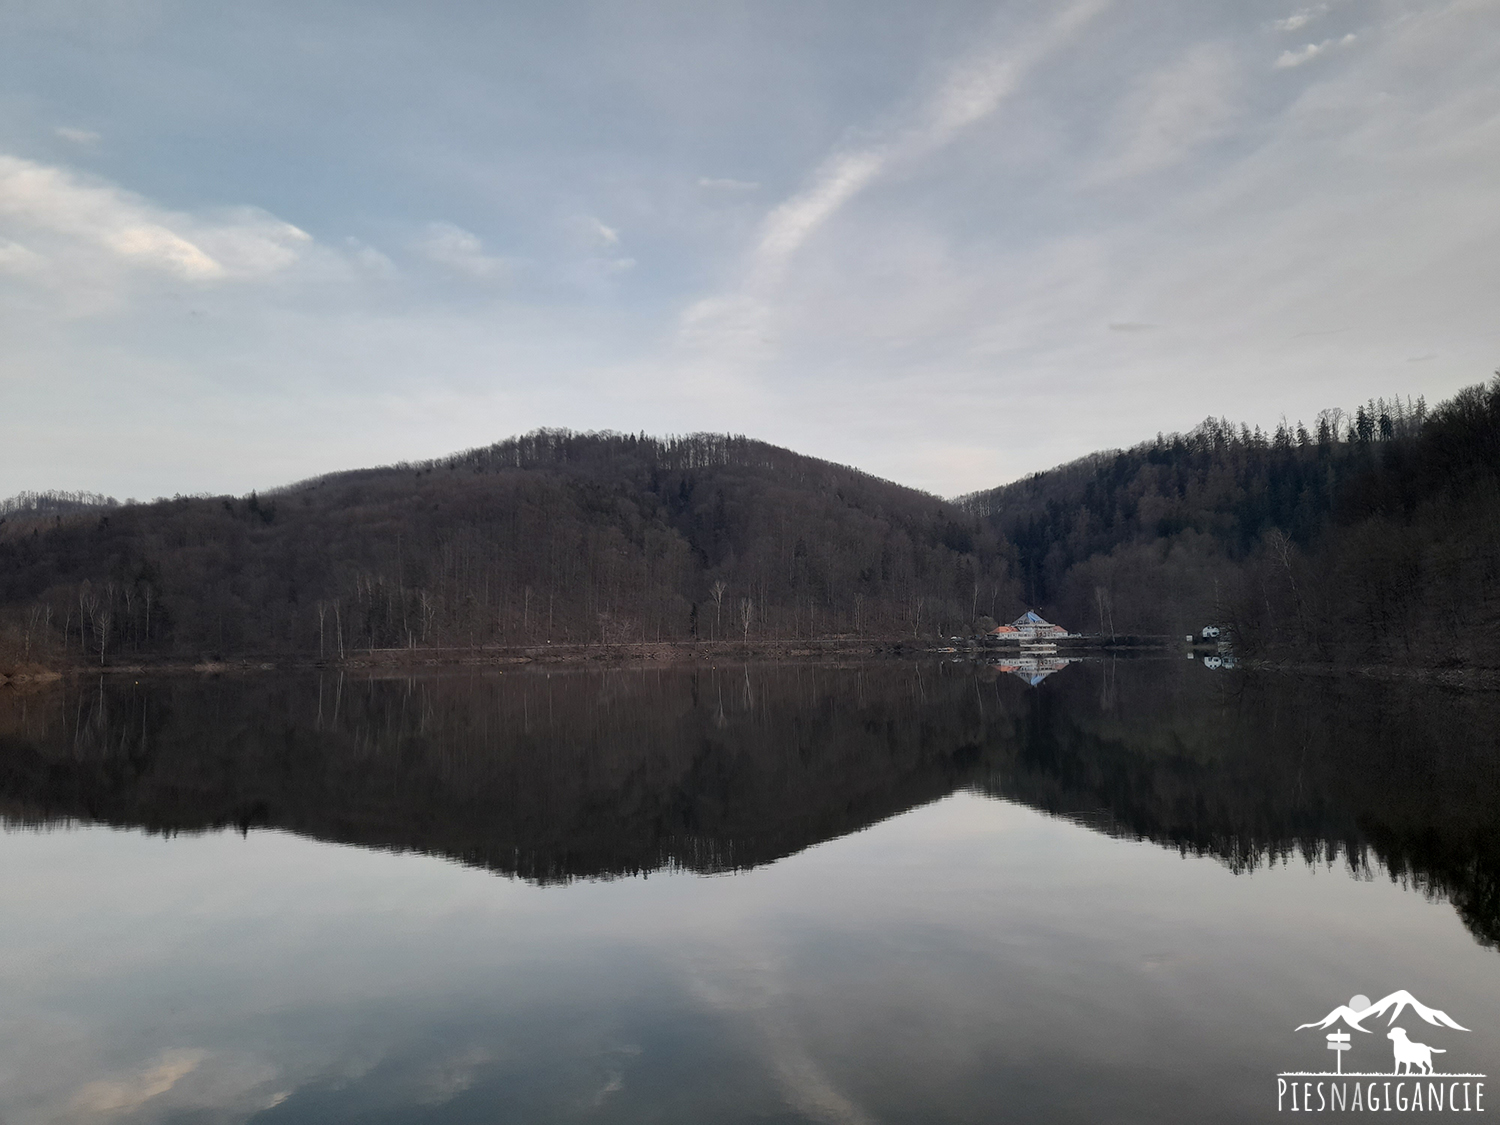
{"x": 459, "y": 250}
{"x": 973, "y": 90}
{"x": 954, "y": 255}
{"x": 370, "y": 260}
{"x": 1300, "y": 19}
{"x": 17, "y": 259}
{"x": 596, "y": 257}
{"x": 77, "y": 136}
{"x": 1310, "y": 51}
{"x": 592, "y": 232}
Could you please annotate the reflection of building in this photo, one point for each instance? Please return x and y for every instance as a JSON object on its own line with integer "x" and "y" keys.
{"x": 1033, "y": 669}
{"x": 1030, "y": 626}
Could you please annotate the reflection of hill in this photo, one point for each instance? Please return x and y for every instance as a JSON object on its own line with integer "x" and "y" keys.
{"x": 1252, "y": 769}
{"x": 599, "y": 773}
{"x": 546, "y": 776}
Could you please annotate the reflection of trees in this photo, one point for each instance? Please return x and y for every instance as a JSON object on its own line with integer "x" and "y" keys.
{"x": 1258, "y": 770}
{"x": 547, "y": 776}
{"x": 604, "y": 773}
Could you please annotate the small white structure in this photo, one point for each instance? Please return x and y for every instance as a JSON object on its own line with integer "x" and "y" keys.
{"x": 1030, "y": 626}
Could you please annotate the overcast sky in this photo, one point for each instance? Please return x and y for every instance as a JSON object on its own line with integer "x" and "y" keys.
{"x": 948, "y": 243}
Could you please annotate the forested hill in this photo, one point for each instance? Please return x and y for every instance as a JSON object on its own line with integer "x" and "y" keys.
{"x": 1368, "y": 536}
{"x": 552, "y": 536}
{"x": 1371, "y": 535}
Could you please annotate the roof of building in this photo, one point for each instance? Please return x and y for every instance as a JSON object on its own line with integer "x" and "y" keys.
{"x": 1030, "y": 617}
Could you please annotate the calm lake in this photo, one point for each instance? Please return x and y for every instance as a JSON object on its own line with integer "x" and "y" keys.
{"x": 879, "y": 892}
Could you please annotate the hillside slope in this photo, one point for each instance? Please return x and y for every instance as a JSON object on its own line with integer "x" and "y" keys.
{"x": 1372, "y": 536}
{"x": 548, "y": 537}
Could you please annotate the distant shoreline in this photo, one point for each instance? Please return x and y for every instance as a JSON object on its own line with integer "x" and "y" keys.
{"x": 618, "y": 654}
{"x": 580, "y": 654}
{"x": 490, "y": 656}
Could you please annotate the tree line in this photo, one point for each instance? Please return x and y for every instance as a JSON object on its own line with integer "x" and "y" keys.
{"x": 1367, "y": 535}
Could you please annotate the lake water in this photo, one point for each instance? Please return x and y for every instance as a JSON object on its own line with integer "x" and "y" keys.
{"x": 884, "y": 892}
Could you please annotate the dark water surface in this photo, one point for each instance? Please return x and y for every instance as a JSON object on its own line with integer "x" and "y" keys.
{"x": 772, "y": 893}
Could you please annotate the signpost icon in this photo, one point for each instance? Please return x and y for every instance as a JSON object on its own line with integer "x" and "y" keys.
{"x": 1339, "y": 1041}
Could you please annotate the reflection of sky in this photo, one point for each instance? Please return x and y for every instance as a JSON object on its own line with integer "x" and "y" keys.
{"x": 966, "y": 961}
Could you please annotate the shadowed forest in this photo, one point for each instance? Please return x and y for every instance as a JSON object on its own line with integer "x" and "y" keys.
{"x": 1364, "y": 537}
{"x": 1371, "y": 537}
{"x": 554, "y": 776}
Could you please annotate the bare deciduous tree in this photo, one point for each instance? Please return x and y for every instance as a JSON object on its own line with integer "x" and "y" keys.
{"x": 102, "y": 622}
{"x": 716, "y": 591}
{"x": 429, "y": 610}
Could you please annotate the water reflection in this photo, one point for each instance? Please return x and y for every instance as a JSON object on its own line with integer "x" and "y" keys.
{"x": 970, "y": 960}
{"x": 554, "y": 776}
{"x": 1032, "y": 668}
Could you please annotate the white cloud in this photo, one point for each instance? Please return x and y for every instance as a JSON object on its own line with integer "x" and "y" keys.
{"x": 1310, "y": 51}
{"x": 1184, "y": 105}
{"x": 459, "y": 250}
{"x": 1300, "y": 19}
{"x": 77, "y": 136}
{"x": 80, "y": 231}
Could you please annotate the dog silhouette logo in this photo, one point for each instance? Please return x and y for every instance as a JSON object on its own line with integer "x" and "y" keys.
{"x": 1409, "y": 1054}
{"x": 1413, "y": 1081}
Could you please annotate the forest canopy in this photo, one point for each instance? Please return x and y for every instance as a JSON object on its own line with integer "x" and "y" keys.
{"x": 1371, "y": 535}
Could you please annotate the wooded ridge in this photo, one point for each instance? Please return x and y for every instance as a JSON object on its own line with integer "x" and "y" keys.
{"x": 1366, "y": 537}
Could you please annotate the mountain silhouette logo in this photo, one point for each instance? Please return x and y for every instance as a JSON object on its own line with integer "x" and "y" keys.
{"x": 1358, "y": 1009}
{"x": 1408, "y": 1077}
